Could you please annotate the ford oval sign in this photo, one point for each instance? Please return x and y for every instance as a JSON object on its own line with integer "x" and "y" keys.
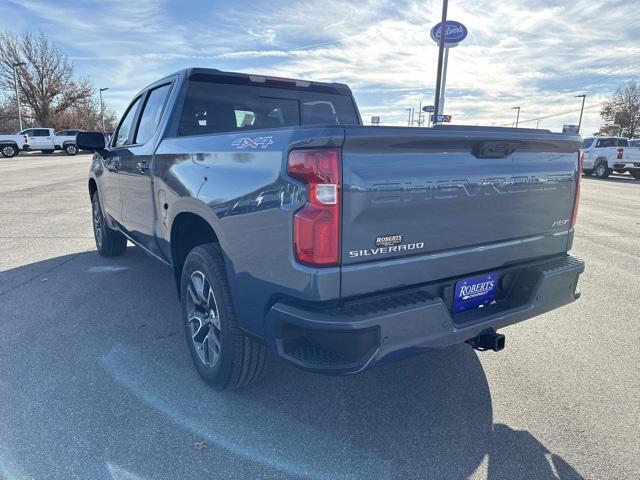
{"x": 454, "y": 33}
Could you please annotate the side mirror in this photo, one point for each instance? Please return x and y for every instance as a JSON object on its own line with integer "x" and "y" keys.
{"x": 93, "y": 141}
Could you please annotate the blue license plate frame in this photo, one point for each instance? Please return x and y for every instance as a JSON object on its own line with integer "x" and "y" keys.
{"x": 474, "y": 292}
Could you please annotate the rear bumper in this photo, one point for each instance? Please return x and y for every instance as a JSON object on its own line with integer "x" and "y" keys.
{"x": 626, "y": 165}
{"x": 367, "y": 332}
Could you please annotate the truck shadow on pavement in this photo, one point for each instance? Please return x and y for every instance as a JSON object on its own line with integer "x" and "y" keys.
{"x": 427, "y": 417}
{"x": 613, "y": 178}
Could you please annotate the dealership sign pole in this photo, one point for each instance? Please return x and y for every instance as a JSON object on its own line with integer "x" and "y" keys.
{"x": 454, "y": 33}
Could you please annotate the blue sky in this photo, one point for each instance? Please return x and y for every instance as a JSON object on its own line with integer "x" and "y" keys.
{"x": 536, "y": 54}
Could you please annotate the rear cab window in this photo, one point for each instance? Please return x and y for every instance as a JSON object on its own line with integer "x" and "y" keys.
{"x": 214, "y": 107}
{"x": 587, "y": 142}
{"x": 612, "y": 142}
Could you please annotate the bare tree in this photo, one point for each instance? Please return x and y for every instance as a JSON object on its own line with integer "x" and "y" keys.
{"x": 9, "y": 117}
{"x": 622, "y": 113}
{"x": 85, "y": 115}
{"x": 47, "y": 85}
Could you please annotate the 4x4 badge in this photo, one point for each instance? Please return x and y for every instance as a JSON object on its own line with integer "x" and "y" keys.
{"x": 254, "y": 142}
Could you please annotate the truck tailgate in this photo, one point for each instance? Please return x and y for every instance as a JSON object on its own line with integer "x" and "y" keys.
{"x": 420, "y": 205}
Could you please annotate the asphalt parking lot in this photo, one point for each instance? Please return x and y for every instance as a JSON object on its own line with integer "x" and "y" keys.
{"x": 96, "y": 381}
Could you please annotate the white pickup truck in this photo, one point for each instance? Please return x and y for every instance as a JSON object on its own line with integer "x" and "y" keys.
{"x": 603, "y": 155}
{"x": 66, "y": 140}
{"x": 10, "y": 145}
{"x": 43, "y": 139}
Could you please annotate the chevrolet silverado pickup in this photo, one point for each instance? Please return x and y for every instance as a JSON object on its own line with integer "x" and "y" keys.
{"x": 292, "y": 229}
{"x": 43, "y": 139}
{"x": 12, "y": 145}
{"x": 604, "y": 155}
{"x": 66, "y": 140}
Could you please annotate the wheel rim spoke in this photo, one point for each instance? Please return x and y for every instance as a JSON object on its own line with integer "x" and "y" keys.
{"x": 200, "y": 330}
{"x": 213, "y": 345}
{"x": 193, "y": 295}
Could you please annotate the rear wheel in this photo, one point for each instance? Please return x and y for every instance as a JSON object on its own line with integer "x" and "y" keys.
{"x": 8, "y": 151}
{"x": 222, "y": 353}
{"x": 109, "y": 242}
{"x": 635, "y": 174}
{"x": 602, "y": 170}
{"x": 71, "y": 149}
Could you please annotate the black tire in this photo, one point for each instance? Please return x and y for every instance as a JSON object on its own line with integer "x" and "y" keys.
{"x": 109, "y": 243}
{"x": 635, "y": 174}
{"x": 9, "y": 151}
{"x": 47, "y": 152}
{"x": 224, "y": 356}
{"x": 71, "y": 150}
{"x": 602, "y": 170}
{"x": 587, "y": 171}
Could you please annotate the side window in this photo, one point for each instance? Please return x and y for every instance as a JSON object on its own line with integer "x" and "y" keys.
{"x": 607, "y": 142}
{"x": 41, "y": 132}
{"x": 124, "y": 129}
{"x": 152, "y": 113}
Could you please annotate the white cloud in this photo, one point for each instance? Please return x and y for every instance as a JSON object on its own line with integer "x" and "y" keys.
{"x": 533, "y": 54}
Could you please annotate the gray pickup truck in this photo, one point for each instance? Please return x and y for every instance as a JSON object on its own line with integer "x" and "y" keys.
{"x": 293, "y": 230}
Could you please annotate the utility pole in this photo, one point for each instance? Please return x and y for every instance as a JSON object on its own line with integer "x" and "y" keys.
{"x": 420, "y": 114}
{"x": 518, "y": 117}
{"x": 443, "y": 29}
{"x": 409, "y": 120}
{"x": 581, "y": 111}
{"x": 102, "y": 107}
{"x": 15, "y": 82}
{"x": 443, "y": 87}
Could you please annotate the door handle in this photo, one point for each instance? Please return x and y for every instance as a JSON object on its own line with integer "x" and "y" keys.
{"x": 113, "y": 164}
{"x": 142, "y": 167}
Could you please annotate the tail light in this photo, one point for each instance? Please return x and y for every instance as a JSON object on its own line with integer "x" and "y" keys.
{"x": 620, "y": 153}
{"x": 25, "y": 137}
{"x": 576, "y": 199}
{"x": 316, "y": 226}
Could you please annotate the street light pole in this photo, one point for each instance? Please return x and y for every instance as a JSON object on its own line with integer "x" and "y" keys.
{"x": 409, "y": 120}
{"x": 15, "y": 82}
{"x": 518, "y": 116}
{"x": 443, "y": 87}
{"x": 443, "y": 29}
{"x": 102, "y": 107}
{"x": 581, "y": 111}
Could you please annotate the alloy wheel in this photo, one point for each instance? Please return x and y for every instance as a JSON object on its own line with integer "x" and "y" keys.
{"x": 204, "y": 319}
{"x": 8, "y": 151}
{"x": 98, "y": 224}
